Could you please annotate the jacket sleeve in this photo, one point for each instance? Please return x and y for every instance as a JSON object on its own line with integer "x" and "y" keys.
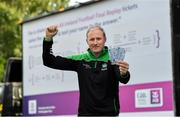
{"x": 122, "y": 79}
{"x": 56, "y": 62}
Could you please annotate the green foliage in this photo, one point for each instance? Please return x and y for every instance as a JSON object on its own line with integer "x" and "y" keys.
{"x": 10, "y": 33}
{"x": 2, "y": 61}
{"x": 12, "y": 12}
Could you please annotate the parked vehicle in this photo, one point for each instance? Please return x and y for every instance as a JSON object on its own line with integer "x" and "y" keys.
{"x": 11, "y": 89}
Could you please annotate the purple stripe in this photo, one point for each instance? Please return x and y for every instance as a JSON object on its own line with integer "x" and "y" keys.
{"x": 128, "y": 97}
{"x": 66, "y": 103}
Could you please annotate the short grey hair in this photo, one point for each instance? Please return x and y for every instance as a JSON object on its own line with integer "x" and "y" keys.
{"x": 98, "y": 27}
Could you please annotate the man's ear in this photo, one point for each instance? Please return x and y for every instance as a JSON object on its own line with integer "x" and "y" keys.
{"x": 105, "y": 39}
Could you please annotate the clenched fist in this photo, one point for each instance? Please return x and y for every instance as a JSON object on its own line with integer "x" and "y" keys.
{"x": 51, "y": 31}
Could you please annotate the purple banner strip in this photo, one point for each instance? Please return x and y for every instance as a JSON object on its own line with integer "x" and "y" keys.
{"x": 127, "y": 97}
{"x": 66, "y": 103}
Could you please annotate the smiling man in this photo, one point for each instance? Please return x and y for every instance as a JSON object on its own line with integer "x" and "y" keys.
{"x": 98, "y": 79}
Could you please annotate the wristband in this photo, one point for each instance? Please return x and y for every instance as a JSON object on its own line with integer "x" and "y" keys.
{"x": 47, "y": 39}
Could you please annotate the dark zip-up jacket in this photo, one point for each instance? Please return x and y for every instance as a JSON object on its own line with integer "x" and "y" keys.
{"x": 98, "y": 80}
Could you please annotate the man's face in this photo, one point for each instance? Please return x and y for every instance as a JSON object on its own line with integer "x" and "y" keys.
{"x": 96, "y": 40}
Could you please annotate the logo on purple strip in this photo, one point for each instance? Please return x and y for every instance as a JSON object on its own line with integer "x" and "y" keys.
{"x": 32, "y": 106}
{"x": 152, "y": 97}
{"x": 155, "y": 97}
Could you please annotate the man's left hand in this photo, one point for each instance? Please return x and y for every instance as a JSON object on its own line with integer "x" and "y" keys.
{"x": 123, "y": 67}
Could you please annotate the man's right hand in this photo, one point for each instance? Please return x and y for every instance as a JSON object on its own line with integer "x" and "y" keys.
{"x": 51, "y": 31}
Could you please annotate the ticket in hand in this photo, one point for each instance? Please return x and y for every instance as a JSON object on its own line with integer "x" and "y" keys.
{"x": 116, "y": 54}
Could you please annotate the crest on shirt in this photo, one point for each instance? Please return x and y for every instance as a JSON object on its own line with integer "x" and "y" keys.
{"x": 87, "y": 66}
{"x": 104, "y": 67}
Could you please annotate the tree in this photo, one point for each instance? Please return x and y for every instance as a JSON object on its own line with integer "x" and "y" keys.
{"x": 12, "y": 12}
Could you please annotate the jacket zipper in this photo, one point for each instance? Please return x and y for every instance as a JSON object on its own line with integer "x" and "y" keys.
{"x": 95, "y": 64}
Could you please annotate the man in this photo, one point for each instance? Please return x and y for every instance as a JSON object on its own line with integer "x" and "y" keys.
{"x": 98, "y": 79}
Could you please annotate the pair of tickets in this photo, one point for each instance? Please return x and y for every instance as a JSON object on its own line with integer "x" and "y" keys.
{"x": 116, "y": 54}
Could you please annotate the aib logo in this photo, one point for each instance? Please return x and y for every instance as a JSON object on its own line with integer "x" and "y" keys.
{"x": 155, "y": 97}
